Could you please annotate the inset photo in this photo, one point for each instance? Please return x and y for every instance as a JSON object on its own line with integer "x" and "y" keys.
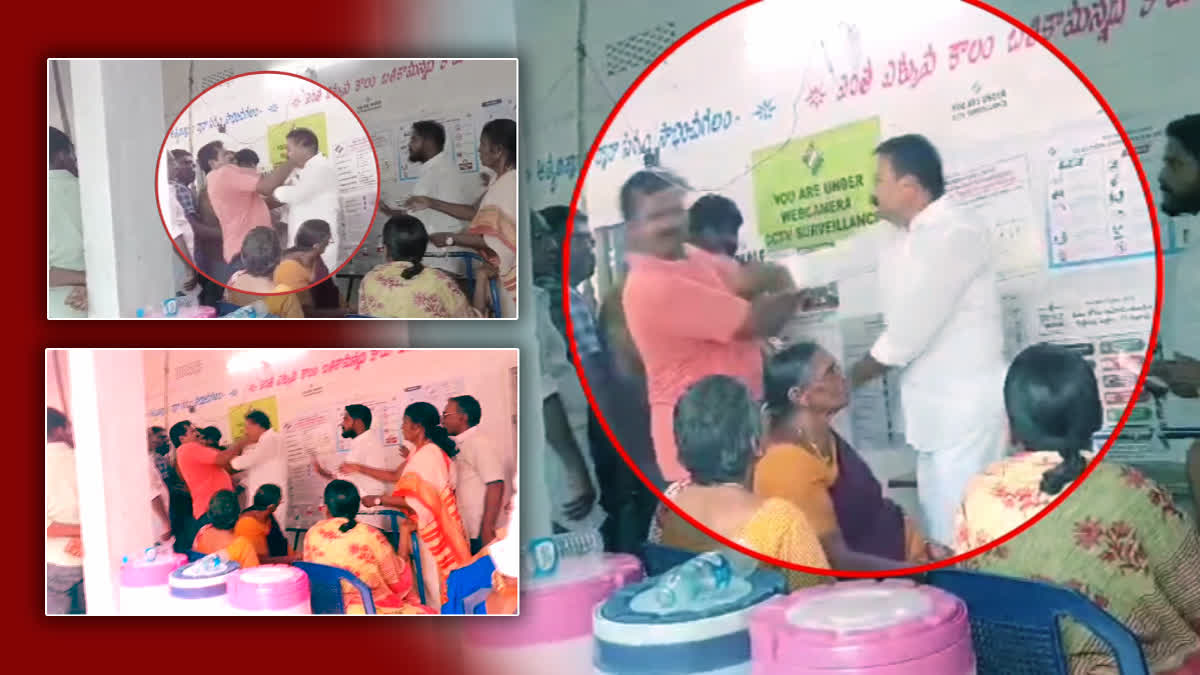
{"x": 281, "y": 481}
{"x": 282, "y": 188}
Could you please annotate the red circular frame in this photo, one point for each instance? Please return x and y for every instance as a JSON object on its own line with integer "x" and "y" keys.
{"x": 374, "y": 153}
{"x": 852, "y": 574}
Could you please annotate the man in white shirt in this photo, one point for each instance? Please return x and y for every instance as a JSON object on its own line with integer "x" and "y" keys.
{"x": 64, "y": 550}
{"x": 160, "y": 498}
{"x": 1179, "y": 184}
{"x": 179, "y": 228}
{"x": 440, "y": 180}
{"x": 67, "y": 297}
{"x": 264, "y": 461}
{"x": 485, "y": 475}
{"x": 314, "y": 196}
{"x": 366, "y": 449}
{"x": 944, "y": 330}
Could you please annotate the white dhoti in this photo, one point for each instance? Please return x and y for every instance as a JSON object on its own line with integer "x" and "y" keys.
{"x": 945, "y": 467}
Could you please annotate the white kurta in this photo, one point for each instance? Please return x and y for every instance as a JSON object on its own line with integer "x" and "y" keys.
{"x": 442, "y": 180}
{"x": 314, "y": 196}
{"x": 944, "y": 331}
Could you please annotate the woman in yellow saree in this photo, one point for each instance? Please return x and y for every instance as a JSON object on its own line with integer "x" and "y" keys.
{"x": 493, "y": 229}
{"x": 363, "y": 551}
{"x": 425, "y": 486}
{"x": 718, "y": 427}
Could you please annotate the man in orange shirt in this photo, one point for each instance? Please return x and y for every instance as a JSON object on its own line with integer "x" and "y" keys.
{"x": 691, "y": 313}
{"x": 234, "y": 193}
{"x": 204, "y": 469}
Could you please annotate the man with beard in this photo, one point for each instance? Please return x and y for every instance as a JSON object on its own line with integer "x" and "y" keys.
{"x": 1179, "y": 183}
{"x": 366, "y": 449}
{"x": 442, "y": 181}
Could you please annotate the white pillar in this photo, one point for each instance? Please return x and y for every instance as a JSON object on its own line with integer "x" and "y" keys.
{"x": 118, "y": 129}
{"x": 112, "y": 466}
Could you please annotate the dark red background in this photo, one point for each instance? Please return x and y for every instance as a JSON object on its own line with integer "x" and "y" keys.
{"x": 296, "y": 28}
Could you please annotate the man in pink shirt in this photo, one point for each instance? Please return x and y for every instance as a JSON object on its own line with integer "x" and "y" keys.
{"x": 691, "y": 313}
{"x": 205, "y": 470}
{"x": 236, "y": 194}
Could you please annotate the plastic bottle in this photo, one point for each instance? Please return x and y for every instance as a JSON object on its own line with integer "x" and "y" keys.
{"x": 545, "y": 553}
{"x": 702, "y": 575}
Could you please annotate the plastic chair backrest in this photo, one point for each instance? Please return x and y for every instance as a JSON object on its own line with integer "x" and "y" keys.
{"x": 193, "y": 556}
{"x": 325, "y": 583}
{"x": 1015, "y": 624}
{"x": 416, "y": 551}
{"x": 469, "y": 585}
{"x": 658, "y": 559}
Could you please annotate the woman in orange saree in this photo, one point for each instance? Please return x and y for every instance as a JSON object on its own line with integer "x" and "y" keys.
{"x": 425, "y": 487}
{"x": 363, "y": 551}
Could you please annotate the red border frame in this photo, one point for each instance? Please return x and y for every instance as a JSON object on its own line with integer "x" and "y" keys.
{"x": 849, "y": 574}
{"x": 374, "y": 153}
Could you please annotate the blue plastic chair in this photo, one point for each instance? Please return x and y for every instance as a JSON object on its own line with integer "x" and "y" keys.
{"x": 416, "y": 551}
{"x": 469, "y": 585}
{"x": 1015, "y": 624}
{"x": 325, "y": 584}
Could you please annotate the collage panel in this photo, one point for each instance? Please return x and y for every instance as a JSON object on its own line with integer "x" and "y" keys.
{"x": 312, "y": 188}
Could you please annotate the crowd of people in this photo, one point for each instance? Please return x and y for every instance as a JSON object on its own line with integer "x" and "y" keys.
{"x": 453, "y": 486}
{"x": 682, "y": 357}
{"x": 243, "y": 236}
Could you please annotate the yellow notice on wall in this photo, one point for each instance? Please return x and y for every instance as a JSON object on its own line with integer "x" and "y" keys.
{"x": 814, "y": 190}
{"x": 277, "y": 136}
{"x": 237, "y": 415}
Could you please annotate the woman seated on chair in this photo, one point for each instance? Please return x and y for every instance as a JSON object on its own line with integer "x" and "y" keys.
{"x": 718, "y": 427}
{"x": 807, "y": 463}
{"x": 1119, "y": 539}
{"x": 302, "y": 264}
{"x": 259, "y": 525}
{"x": 260, "y": 255}
{"x": 404, "y": 288}
{"x": 219, "y": 534}
{"x": 362, "y": 550}
{"x": 425, "y": 486}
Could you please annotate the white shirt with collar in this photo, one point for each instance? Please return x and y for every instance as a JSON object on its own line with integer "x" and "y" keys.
{"x": 945, "y": 335}
{"x": 944, "y": 323}
{"x": 441, "y": 180}
{"x": 368, "y": 450}
{"x": 62, "y": 501}
{"x": 314, "y": 196}
{"x": 265, "y": 462}
{"x": 479, "y": 463}
{"x": 64, "y": 242}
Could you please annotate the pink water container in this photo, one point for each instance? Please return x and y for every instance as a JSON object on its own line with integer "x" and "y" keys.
{"x": 269, "y": 589}
{"x": 553, "y": 634}
{"x": 144, "y": 590}
{"x": 892, "y": 627}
